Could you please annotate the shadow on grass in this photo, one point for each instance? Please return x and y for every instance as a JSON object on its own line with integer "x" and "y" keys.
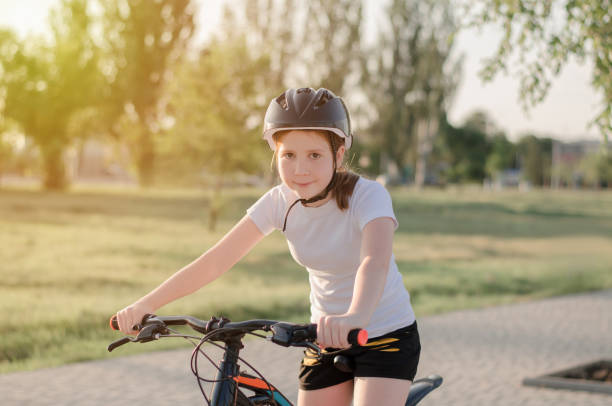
{"x": 425, "y": 280}
{"x": 498, "y": 220}
{"x": 78, "y": 285}
{"x": 46, "y": 206}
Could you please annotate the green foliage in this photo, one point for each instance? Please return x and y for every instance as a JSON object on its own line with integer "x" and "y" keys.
{"x": 535, "y": 155}
{"x": 408, "y": 78}
{"x": 545, "y": 35}
{"x": 6, "y": 150}
{"x": 271, "y": 34}
{"x": 143, "y": 41}
{"x": 46, "y": 83}
{"x": 597, "y": 170}
{"x": 213, "y": 101}
{"x": 474, "y": 151}
{"x": 502, "y": 155}
{"x": 6, "y": 153}
{"x": 332, "y": 43}
{"x": 465, "y": 150}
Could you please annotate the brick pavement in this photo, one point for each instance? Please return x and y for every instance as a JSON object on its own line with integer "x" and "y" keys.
{"x": 482, "y": 354}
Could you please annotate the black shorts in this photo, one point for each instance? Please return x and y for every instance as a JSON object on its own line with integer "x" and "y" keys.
{"x": 393, "y": 355}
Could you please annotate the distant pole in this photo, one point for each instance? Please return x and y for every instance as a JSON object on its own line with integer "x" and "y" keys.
{"x": 555, "y": 165}
{"x": 423, "y": 149}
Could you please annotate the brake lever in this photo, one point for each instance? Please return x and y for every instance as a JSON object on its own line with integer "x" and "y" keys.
{"x": 149, "y": 333}
{"x": 119, "y": 343}
{"x": 308, "y": 344}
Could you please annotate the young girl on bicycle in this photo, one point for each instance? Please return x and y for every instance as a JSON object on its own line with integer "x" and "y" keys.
{"x": 340, "y": 227}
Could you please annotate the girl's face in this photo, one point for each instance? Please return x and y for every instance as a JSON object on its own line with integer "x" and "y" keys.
{"x": 305, "y": 162}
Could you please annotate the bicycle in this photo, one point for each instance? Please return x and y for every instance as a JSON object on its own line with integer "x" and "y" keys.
{"x": 230, "y": 383}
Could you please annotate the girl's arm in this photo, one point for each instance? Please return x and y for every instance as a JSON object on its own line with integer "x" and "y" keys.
{"x": 205, "y": 269}
{"x": 376, "y": 249}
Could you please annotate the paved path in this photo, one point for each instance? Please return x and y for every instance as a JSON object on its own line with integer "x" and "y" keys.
{"x": 483, "y": 356}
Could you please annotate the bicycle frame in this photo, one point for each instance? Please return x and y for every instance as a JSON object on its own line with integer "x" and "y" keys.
{"x": 229, "y": 379}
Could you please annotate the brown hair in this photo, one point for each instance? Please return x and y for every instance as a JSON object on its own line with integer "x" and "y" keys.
{"x": 345, "y": 181}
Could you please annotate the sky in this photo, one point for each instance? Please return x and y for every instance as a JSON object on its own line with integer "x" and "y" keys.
{"x": 565, "y": 114}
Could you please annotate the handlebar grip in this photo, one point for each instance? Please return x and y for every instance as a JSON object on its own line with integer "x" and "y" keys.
{"x": 358, "y": 337}
{"x": 355, "y": 337}
{"x": 113, "y": 322}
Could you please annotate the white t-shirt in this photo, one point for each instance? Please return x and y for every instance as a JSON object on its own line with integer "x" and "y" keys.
{"x": 327, "y": 241}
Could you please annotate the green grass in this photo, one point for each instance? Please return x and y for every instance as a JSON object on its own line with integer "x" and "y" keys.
{"x": 71, "y": 260}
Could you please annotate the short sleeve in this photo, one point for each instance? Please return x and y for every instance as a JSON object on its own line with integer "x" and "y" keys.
{"x": 373, "y": 201}
{"x": 264, "y": 212}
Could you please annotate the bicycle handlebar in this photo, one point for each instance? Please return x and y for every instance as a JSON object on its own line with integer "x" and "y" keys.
{"x": 285, "y": 334}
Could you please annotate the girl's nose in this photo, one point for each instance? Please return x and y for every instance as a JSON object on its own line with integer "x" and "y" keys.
{"x": 301, "y": 167}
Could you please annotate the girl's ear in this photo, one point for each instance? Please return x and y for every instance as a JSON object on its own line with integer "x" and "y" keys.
{"x": 340, "y": 156}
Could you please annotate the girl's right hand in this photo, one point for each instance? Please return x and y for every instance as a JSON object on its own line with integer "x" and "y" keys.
{"x": 131, "y": 316}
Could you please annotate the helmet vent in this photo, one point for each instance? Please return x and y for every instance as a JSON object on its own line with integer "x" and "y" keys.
{"x": 325, "y": 97}
{"x": 303, "y": 90}
{"x": 282, "y": 100}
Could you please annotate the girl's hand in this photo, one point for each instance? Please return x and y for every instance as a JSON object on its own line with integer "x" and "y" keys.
{"x": 131, "y": 316}
{"x": 332, "y": 331}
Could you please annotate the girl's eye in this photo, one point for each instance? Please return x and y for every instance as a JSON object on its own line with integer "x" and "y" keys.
{"x": 287, "y": 155}
{"x": 315, "y": 155}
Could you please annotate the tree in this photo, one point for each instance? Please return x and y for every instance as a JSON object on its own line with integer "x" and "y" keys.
{"x": 270, "y": 32}
{"x": 502, "y": 152}
{"x": 144, "y": 40}
{"x": 465, "y": 151}
{"x": 535, "y": 157}
{"x": 6, "y": 154}
{"x": 45, "y": 84}
{"x": 308, "y": 43}
{"x": 545, "y": 34}
{"x": 409, "y": 79}
{"x": 502, "y": 155}
{"x": 331, "y": 43}
{"x": 596, "y": 170}
{"x": 217, "y": 113}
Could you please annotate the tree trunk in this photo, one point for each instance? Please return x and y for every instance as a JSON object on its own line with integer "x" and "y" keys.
{"x": 55, "y": 170}
{"x": 423, "y": 149}
{"x": 146, "y": 159}
{"x": 215, "y": 204}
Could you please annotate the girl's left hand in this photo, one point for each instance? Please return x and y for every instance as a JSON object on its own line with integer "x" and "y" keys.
{"x": 332, "y": 331}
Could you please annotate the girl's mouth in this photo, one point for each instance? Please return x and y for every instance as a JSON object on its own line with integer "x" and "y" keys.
{"x": 303, "y": 184}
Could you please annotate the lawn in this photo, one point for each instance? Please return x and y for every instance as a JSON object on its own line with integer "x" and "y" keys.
{"x": 69, "y": 261}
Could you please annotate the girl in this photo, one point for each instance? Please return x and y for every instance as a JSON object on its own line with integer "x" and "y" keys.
{"x": 340, "y": 227}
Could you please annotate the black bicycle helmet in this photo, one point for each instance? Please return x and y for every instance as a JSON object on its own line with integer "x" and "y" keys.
{"x": 307, "y": 109}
